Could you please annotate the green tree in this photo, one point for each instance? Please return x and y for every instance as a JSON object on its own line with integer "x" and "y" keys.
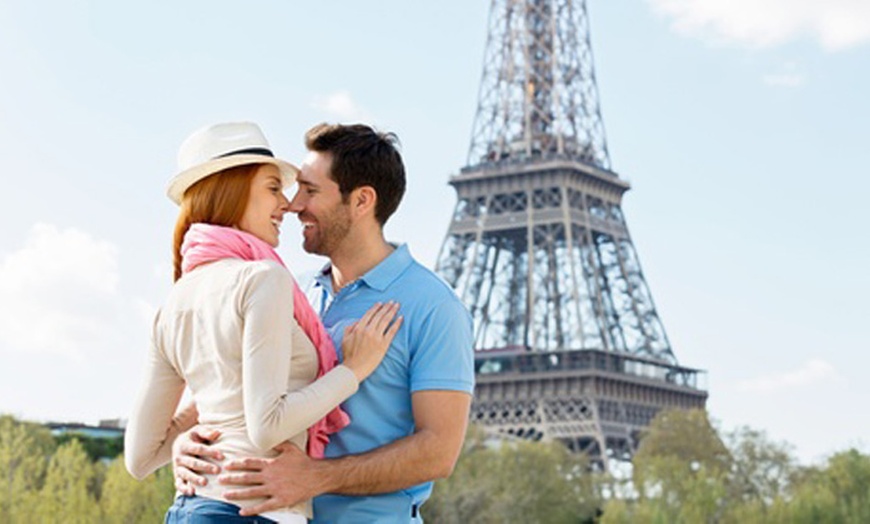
{"x": 683, "y": 473}
{"x": 463, "y": 496}
{"x": 24, "y": 451}
{"x": 128, "y": 500}
{"x": 680, "y": 472}
{"x": 839, "y": 492}
{"x": 533, "y": 482}
{"x": 96, "y": 447}
{"x": 66, "y": 497}
{"x": 762, "y": 473}
{"x": 686, "y": 436}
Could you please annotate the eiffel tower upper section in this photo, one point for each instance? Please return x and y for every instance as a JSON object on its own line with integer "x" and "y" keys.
{"x": 538, "y": 96}
{"x": 538, "y": 247}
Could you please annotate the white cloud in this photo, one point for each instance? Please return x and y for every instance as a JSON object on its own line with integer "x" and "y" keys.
{"x": 835, "y": 24}
{"x": 812, "y": 372}
{"x": 58, "y": 292}
{"x": 340, "y": 105}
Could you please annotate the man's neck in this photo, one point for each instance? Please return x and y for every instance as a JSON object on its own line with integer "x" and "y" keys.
{"x": 354, "y": 260}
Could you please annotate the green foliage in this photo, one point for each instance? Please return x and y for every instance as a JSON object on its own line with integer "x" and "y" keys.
{"x": 67, "y": 480}
{"x": 683, "y": 473}
{"x": 763, "y": 472}
{"x": 680, "y": 470}
{"x": 528, "y": 482}
{"x": 24, "y": 451}
{"x": 96, "y": 448}
{"x": 673, "y": 491}
{"x": 66, "y": 497}
{"x": 687, "y": 440}
{"x": 839, "y": 492}
{"x": 127, "y": 500}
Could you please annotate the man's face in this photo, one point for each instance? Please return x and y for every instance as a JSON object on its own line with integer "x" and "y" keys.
{"x": 325, "y": 218}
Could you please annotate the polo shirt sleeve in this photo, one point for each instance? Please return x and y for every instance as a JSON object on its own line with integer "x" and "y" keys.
{"x": 442, "y": 356}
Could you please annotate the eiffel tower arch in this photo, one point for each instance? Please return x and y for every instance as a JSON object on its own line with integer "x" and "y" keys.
{"x": 568, "y": 343}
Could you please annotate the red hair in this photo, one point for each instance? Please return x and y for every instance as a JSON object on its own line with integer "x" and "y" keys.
{"x": 219, "y": 199}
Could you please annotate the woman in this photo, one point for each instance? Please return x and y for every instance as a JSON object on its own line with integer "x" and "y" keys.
{"x": 237, "y": 330}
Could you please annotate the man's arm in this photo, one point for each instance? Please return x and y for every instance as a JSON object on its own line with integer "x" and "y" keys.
{"x": 189, "y": 453}
{"x": 440, "y": 418}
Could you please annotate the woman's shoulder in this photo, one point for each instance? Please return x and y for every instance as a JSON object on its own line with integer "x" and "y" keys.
{"x": 267, "y": 272}
{"x": 237, "y": 273}
{"x": 241, "y": 267}
{"x": 259, "y": 266}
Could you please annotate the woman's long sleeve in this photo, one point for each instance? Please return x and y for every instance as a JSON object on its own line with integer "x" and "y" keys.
{"x": 272, "y": 413}
{"x": 154, "y": 424}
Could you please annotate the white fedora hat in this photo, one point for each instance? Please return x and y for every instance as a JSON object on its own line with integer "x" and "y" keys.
{"x": 222, "y": 146}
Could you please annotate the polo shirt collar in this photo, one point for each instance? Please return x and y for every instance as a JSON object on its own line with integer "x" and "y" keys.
{"x": 379, "y": 277}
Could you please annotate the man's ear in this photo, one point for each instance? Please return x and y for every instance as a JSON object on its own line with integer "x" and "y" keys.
{"x": 363, "y": 200}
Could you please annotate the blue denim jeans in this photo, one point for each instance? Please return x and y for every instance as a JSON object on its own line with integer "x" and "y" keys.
{"x": 201, "y": 510}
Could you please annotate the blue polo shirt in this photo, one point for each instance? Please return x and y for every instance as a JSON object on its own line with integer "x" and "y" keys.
{"x": 431, "y": 351}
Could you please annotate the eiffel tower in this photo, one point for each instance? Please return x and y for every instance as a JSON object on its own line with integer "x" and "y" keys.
{"x": 568, "y": 343}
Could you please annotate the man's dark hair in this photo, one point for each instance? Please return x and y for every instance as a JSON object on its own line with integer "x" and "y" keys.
{"x": 362, "y": 156}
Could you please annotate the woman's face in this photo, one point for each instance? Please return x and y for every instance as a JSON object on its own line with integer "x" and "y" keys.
{"x": 266, "y": 205}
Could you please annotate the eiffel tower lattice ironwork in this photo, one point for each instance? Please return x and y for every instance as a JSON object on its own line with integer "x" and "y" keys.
{"x": 568, "y": 342}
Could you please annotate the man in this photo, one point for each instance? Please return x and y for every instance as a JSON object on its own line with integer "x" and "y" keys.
{"x": 408, "y": 419}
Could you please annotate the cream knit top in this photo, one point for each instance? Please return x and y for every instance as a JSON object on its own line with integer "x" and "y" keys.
{"x": 227, "y": 332}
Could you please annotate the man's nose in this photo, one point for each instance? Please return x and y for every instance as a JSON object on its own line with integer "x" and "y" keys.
{"x": 295, "y": 204}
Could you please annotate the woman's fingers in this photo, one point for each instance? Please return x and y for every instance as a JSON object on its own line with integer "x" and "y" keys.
{"x": 367, "y": 318}
{"x": 382, "y": 320}
{"x": 394, "y": 328}
{"x": 377, "y": 320}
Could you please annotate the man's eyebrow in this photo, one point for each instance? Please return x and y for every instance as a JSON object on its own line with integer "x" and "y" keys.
{"x": 303, "y": 182}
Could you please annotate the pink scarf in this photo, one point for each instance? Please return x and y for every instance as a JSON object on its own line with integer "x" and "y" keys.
{"x": 205, "y": 243}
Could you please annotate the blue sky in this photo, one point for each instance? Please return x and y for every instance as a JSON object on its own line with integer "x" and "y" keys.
{"x": 741, "y": 124}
